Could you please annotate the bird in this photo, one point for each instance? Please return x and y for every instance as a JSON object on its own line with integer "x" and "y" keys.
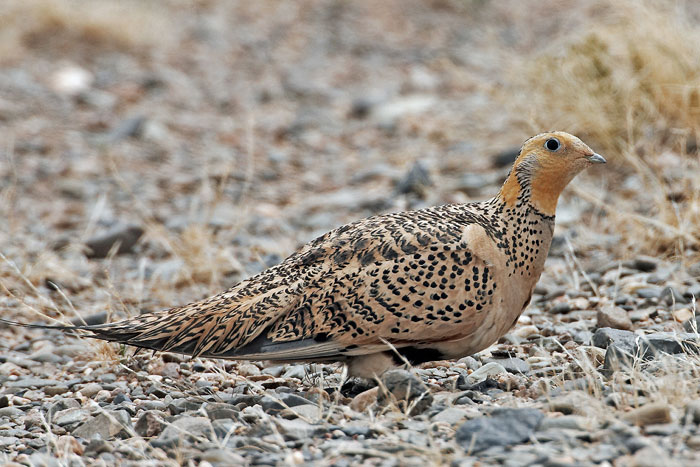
{"x": 436, "y": 283}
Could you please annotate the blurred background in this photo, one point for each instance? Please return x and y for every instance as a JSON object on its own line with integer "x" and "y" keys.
{"x": 211, "y": 138}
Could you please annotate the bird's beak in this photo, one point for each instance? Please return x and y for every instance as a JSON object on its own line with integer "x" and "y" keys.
{"x": 596, "y": 159}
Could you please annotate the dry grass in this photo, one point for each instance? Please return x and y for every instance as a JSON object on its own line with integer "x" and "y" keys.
{"x": 40, "y": 24}
{"x": 630, "y": 86}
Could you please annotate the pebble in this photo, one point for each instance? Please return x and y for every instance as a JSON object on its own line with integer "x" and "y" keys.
{"x": 70, "y": 416}
{"x": 488, "y": 370}
{"x": 149, "y": 424}
{"x": 364, "y": 400}
{"x": 613, "y": 317}
{"x": 90, "y": 389}
{"x": 125, "y": 237}
{"x": 505, "y": 427}
{"x": 295, "y": 429}
{"x": 186, "y": 429}
{"x": 405, "y": 390}
{"x": 107, "y": 425}
{"x": 512, "y": 365}
{"x": 649, "y": 414}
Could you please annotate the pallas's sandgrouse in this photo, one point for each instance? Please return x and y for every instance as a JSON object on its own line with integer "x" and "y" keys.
{"x": 436, "y": 283}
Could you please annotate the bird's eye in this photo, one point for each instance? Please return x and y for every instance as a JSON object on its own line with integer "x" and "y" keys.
{"x": 552, "y": 144}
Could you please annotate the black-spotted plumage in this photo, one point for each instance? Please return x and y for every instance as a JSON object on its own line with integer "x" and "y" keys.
{"x": 441, "y": 282}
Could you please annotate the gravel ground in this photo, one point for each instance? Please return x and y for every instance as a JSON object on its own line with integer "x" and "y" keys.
{"x": 152, "y": 159}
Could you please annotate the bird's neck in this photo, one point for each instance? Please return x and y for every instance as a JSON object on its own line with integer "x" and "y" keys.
{"x": 532, "y": 187}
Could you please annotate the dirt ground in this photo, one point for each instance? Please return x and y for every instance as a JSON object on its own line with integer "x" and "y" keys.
{"x": 213, "y": 138}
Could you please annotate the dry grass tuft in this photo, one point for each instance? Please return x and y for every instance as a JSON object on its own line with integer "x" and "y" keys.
{"x": 63, "y": 24}
{"x": 634, "y": 77}
{"x": 630, "y": 86}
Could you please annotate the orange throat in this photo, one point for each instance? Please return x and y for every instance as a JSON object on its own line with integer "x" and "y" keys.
{"x": 544, "y": 191}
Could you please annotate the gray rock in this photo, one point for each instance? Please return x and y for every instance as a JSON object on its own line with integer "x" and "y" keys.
{"x": 220, "y": 410}
{"x": 613, "y": 317}
{"x": 505, "y": 427}
{"x": 642, "y": 263}
{"x": 55, "y": 390}
{"x": 512, "y": 364}
{"x": 124, "y": 236}
{"x": 567, "y": 422}
{"x": 70, "y": 416}
{"x": 106, "y": 424}
{"x": 281, "y": 401}
{"x": 625, "y": 340}
{"x": 406, "y": 390}
{"x": 668, "y": 342}
{"x": 295, "y": 429}
{"x": 6, "y": 442}
{"x": 561, "y": 308}
{"x": 692, "y": 411}
{"x": 62, "y": 404}
{"x": 222, "y": 457}
{"x": 187, "y": 429}
{"x": 649, "y": 292}
{"x": 416, "y": 181}
{"x": 96, "y": 447}
{"x": 150, "y": 424}
{"x": 11, "y": 412}
{"x": 486, "y": 371}
{"x": 90, "y": 389}
{"x": 451, "y": 415}
{"x": 29, "y": 382}
{"x": 693, "y": 324}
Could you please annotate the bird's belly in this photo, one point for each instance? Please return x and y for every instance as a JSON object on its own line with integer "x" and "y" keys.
{"x": 505, "y": 311}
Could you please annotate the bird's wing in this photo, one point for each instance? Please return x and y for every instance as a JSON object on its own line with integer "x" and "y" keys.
{"x": 427, "y": 278}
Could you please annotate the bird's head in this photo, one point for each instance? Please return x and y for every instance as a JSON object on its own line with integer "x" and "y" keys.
{"x": 546, "y": 164}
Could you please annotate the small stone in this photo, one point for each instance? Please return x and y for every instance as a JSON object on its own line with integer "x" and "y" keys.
{"x": 561, "y": 308}
{"x": 55, "y": 390}
{"x": 106, "y": 424}
{"x": 525, "y": 331}
{"x": 649, "y": 414}
{"x": 90, "y": 389}
{"x": 26, "y": 383}
{"x": 652, "y": 456}
{"x": 489, "y": 369}
{"x": 185, "y": 428}
{"x": 451, "y": 415}
{"x": 150, "y": 424}
{"x": 96, "y": 447}
{"x": 693, "y": 442}
{"x": 692, "y": 411}
{"x": 11, "y": 412}
{"x": 124, "y": 236}
{"x": 693, "y": 324}
{"x": 642, "y": 263}
{"x": 505, "y": 427}
{"x": 220, "y": 410}
{"x": 222, "y": 457}
{"x": 649, "y": 292}
{"x": 295, "y": 429}
{"x": 613, "y": 317}
{"x": 248, "y": 369}
{"x": 363, "y": 400}
{"x": 567, "y": 422}
{"x": 512, "y": 365}
{"x": 416, "y": 181}
{"x": 307, "y": 411}
{"x": 70, "y": 416}
{"x": 406, "y": 390}
{"x": 603, "y": 337}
